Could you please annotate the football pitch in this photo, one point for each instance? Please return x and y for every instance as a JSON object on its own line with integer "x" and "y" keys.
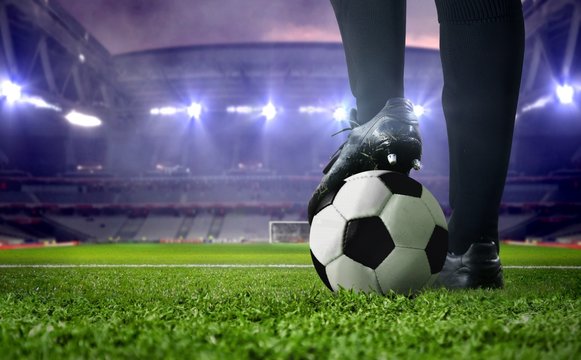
{"x": 265, "y": 301}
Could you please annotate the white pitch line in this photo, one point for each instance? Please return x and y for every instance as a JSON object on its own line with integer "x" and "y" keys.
{"x": 10, "y": 266}
{"x": 541, "y": 267}
{"x": 229, "y": 266}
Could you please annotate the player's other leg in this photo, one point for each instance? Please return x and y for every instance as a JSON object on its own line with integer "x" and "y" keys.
{"x": 481, "y": 46}
{"x": 386, "y": 133}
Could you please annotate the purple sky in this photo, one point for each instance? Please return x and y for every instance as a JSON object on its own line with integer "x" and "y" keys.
{"x": 132, "y": 25}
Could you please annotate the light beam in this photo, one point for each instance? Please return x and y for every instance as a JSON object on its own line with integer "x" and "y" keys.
{"x": 84, "y": 120}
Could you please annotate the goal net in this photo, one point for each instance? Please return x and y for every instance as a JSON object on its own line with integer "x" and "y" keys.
{"x": 288, "y": 231}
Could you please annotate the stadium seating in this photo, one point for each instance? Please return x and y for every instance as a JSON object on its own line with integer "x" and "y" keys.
{"x": 514, "y": 226}
{"x": 227, "y": 208}
{"x": 239, "y": 226}
{"x": 200, "y": 227}
{"x": 158, "y": 227}
{"x": 15, "y": 197}
{"x": 10, "y": 234}
{"x": 566, "y": 195}
{"x": 49, "y": 197}
{"x": 149, "y": 197}
{"x": 99, "y": 228}
{"x": 527, "y": 193}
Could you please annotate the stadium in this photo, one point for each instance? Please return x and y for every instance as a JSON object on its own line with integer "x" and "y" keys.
{"x": 193, "y": 166}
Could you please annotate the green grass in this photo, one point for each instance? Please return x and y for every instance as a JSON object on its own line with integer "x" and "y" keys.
{"x": 217, "y": 313}
{"x": 234, "y": 254}
{"x": 162, "y": 254}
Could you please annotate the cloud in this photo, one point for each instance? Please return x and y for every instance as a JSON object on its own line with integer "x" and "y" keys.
{"x": 307, "y": 33}
{"x": 132, "y": 25}
{"x": 423, "y": 41}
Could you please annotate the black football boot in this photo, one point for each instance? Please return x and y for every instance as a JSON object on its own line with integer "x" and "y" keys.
{"x": 389, "y": 141}
{"x": 479, "y": 267}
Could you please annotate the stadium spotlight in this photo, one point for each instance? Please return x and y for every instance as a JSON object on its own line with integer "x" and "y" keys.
{"x": 419, "y": 110}
{"x": 312, "y": 109}
{"x": 565, "y": 94}
{"x": 269, "y": 111}
{"x": 340, "y": 114}
{"x": 168, "y": 110}
{"x": 84, "y": 120}
{"x": 239, "y": 109}
{"x": 11, "y": 91}
{"x": 195, "y": 110}
{"x": 154, "y": 111}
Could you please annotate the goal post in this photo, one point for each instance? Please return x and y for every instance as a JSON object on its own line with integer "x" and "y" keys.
{"x": 288, "y": 231}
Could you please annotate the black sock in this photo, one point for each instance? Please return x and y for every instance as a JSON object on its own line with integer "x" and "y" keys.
{"x": 373, "y": 34}
{"x": 481, "y": 45}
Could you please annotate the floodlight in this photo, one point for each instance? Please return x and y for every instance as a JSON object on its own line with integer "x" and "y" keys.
{"x": 239, "y": 109}
{"x": 11, "y": 91}
{"x": 311, "y": 109}
{"x": 269, "y": 111}
{"x": 195, "y": 110}
{"x": 80, "y": 119}
{"x": 154, "y": 111}
{"x": 565, "y": 94}
{"x": 419, "y": 110}
{"x": 340, "y": 114}
{"x": 168, "y": 110}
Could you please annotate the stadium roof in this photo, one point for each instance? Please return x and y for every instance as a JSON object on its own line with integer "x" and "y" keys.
{"x": 292, "y": 73}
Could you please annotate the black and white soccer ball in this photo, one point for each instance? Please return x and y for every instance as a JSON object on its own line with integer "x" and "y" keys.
{"x": 382, "y": 231}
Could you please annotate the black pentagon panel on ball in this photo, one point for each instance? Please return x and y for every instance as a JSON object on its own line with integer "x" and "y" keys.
{"x": 401, "y": 184}
{"x": 437, "y": 249}
{"x": 328, "y": 199}
{"x": 321, "y": 271}
{"x": 367, "y": 241}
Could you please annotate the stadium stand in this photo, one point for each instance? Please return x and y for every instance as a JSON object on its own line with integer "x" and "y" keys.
{"x": 9, "y": 234}
{"x": 49, "y": 197}
{"x": 98, "y": 228}
{"x": 130, "y": 227}
{"x": 566, "y": 195}
{"x": 514, "y": 226}
{"x": 158, "y": 227}
{"x": 291, "y": 216}
{"x": 568, "y": 234}
{"x": 234, "y": 208}
{"x": 200, "y": 227}
{"x": 15, "y": 197}
{"x": 527, "y": 193}
{"x": 241, "y": 226}
{"x": 149, "y": 196}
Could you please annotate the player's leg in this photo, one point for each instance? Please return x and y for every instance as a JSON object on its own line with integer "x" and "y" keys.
{"x": 386, "y": 137}
{"x": 481, "y": 45}
{"x": 373, "y": 36}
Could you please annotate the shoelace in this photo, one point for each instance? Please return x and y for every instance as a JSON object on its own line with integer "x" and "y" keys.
{"x": 347, "y": 129}
{"x": 353, "y": 122}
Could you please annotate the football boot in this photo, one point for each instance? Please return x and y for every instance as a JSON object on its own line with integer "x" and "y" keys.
{"x": 478, "y": 267}
{"x": 389, "y": 141}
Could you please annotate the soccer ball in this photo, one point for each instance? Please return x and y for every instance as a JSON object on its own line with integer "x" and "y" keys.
{"x": 381, "y": 231}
